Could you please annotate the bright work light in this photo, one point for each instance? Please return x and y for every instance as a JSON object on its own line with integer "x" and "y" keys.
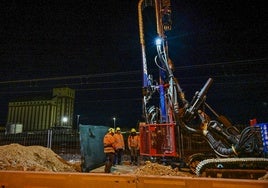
{"x": 158, "y": 41}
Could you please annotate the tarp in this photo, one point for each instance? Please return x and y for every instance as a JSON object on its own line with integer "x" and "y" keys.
{"x": 91, "y": 143}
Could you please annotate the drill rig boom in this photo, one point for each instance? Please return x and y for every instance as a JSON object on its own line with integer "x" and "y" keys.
{"x": 170, "y": 123}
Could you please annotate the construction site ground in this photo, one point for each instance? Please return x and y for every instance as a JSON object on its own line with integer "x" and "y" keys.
{"x": 36, "y": 166}
{"x": 146, "y": 168}
{"x": 117, "y": 169}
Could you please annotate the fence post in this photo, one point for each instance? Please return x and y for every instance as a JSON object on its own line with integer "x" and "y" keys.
{"x": 49, "y": 138}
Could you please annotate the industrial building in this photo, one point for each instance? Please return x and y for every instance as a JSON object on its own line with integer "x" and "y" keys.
{"x": 42, "y": 113}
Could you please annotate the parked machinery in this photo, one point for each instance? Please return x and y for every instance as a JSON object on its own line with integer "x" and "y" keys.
{"x": 171, "y": 118}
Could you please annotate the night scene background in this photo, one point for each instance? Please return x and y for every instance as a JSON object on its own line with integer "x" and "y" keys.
{"x": 93, "y": 47}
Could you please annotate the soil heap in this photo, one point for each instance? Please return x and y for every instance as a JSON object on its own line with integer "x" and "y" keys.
{"x": 32, "y": 158}
{"x": 159, "y": 170}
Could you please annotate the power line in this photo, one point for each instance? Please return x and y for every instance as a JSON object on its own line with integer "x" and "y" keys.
{"x": 134, "y": 72}
{"x": 237, "y": 62}
{"x": 71, "y": 77}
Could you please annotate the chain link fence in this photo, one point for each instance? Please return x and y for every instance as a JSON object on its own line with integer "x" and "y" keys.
{"x": 65, "y": 143}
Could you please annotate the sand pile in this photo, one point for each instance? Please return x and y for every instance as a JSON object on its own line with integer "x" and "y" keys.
{"x": 265, "y": 177}
{"x": 159, "y": 170}
{"x": 32, "y": 158}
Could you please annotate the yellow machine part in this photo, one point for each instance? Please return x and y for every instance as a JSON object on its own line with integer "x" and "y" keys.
{"x": 19, "y": 179}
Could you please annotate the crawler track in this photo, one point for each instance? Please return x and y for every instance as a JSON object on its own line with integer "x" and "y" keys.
{"x": 233, "y": 167}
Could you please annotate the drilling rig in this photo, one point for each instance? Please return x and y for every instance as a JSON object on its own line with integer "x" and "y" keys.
{"x": 170, "y": 119}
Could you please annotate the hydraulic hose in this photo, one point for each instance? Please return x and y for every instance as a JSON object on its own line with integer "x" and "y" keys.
{"x": 218, "y": 147}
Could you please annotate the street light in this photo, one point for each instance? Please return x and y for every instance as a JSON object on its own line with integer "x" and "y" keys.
{"x": 114, "y": 122}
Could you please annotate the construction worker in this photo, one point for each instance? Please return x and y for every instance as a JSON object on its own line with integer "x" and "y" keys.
{"x": 119, "y": 146}
{"x": 133, "y": 146}
{"x": 109, "y": 145}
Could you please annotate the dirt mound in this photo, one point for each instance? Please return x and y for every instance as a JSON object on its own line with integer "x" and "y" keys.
{"x": 159, "y": 170}
{"x": 32, "y": 158}
{"x": 265, "y": 177}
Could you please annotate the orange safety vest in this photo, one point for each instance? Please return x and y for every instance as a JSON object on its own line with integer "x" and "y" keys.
{"x": 119, "y": 141}
{"x": 134, "y": 141}
{"x": 109, "y": 143}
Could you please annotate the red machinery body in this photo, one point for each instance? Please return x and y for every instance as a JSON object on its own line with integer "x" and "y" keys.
{"x": 157, "y": 140}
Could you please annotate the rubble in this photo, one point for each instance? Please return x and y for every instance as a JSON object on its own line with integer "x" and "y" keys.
{"x": 33, "y": 158}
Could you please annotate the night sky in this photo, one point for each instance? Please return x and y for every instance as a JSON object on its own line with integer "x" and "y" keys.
{"x": 93, "y": 47}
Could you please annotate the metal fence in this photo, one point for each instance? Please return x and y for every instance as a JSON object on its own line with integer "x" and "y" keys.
{"x": 65, "y": 143}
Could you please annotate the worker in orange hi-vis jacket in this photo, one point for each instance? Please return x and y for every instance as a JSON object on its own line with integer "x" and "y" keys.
{"x": 119, "y": 146}
{"x": 134, "y": 146}
{"x": 109, "y": 149}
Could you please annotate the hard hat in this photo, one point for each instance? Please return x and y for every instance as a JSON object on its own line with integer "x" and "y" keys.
{"x": 133, "y": 130}
{"x": 111, "y": 130}
{"x": 118, "y": 129}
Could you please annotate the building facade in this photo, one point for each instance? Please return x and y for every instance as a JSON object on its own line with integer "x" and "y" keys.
{"x": 57, "y": 111}
{"x": 64, "y": 99}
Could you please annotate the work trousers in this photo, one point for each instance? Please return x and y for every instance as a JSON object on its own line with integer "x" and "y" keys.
{"x": 134, "y": 152}
{"x": 118, "y": 156}
{"x": 109, "y": 162}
